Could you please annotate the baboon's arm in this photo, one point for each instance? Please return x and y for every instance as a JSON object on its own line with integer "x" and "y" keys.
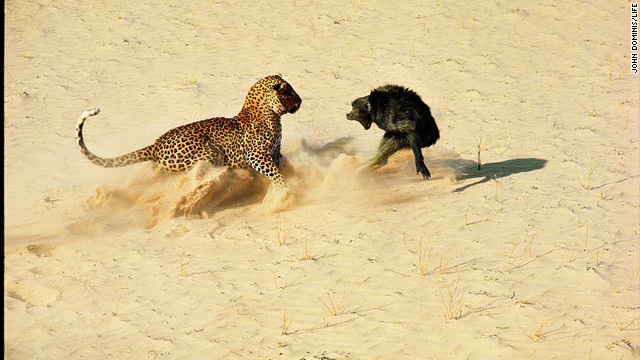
{"x": 421, "y": 168}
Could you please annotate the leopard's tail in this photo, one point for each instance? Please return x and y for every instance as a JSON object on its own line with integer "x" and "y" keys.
{"x": 137, "y": 156}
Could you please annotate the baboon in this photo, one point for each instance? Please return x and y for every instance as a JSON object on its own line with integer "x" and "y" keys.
{"x": 404, "y": 117}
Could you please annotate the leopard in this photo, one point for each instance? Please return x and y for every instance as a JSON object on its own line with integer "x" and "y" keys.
{"x": 250, "y": 140}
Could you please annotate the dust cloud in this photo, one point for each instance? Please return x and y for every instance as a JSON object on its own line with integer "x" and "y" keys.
{"x": 314, "y": 175}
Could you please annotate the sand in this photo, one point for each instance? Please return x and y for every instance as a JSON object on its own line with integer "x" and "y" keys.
{"x": 534, "y": 256}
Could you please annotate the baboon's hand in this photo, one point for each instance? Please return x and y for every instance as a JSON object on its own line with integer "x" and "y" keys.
{"x": 421, "y": 168}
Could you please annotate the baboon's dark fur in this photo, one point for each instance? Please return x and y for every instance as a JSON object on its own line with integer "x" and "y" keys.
{"x": 404, "y": 117}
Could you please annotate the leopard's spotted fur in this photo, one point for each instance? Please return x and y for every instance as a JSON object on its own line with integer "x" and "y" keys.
{"x": 251, "y": 139}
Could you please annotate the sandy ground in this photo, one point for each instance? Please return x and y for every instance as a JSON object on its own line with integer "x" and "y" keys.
{"x": 535, "y": 256}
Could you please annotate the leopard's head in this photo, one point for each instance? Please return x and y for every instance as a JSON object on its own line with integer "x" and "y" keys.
{"x": 272, "y": 93}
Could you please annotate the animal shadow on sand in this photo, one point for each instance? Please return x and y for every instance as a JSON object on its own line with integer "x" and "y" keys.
{"x": 495, "y": 170}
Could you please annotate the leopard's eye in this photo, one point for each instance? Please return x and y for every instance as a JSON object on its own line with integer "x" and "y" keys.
{"x": 367, "y": 106}
{"x": 280, "y": 86}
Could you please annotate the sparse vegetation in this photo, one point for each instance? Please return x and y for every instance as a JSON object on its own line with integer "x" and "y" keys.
{"x": 286, "y": 323}
{"x": 539, "y": 334}
{"x": 325, "y": 316}
{"x": 516, "y": 242}
{"x": 443, "y": 263}
{"x": 305, "y": 251}
{"x": 619, "y": 324}
{"x": 590, "y": 112}
{"x": 586, "y": 234}
{"x": 332, "y": 306}
{"x": 183, "y": 263}
{"x": 106, "y": 356}
{"x": 615, "y": 319}
{"x": 529, "y": 241}
{"x": 453, "y": 303}
{"x": 424, "y": 257}
{"x": 610, "y": 59}
{"x": 634, "y": 274}
{"x": 626, "y": 116}
{"x": 587, "y": 184}
{"x": 275, "y": 280}
{"x": 281, "y": 233}
{"x": 572, "y": 252}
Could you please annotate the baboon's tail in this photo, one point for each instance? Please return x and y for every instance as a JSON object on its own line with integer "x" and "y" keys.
{"x": 143, "y": 154}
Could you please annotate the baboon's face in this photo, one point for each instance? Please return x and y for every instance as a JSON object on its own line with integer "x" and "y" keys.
{"x": 361, "y": 112}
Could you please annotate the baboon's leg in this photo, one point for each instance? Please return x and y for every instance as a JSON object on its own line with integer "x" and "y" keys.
{"x": 421, "y": 168}
{"x": 388, "y": 146}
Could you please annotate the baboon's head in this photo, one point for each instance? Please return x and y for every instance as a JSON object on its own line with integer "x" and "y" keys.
{"x": 361, "y": 112}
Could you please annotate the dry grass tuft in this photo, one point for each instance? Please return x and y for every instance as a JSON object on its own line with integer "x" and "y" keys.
{"x": 183, "y": 263}
{"x": 423, "y": 259}
{"x": 286, "y": 323}
{"x": 443, "y": 263}
{"x": 539, "y": 334}
{"x": 281, "y": 233}
{"x": 333, "y": 306}
{"x": 587, "y": 184}
{"x": 529, "y": 241}
{"x": 586, "y": 235}
{"x": 454, "y": 303}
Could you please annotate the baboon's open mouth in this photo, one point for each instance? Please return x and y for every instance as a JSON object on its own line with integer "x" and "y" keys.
{"x": 365, "y": 124}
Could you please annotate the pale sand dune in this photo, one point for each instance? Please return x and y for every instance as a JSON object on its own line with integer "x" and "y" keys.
{"x": 535, "y": 256}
